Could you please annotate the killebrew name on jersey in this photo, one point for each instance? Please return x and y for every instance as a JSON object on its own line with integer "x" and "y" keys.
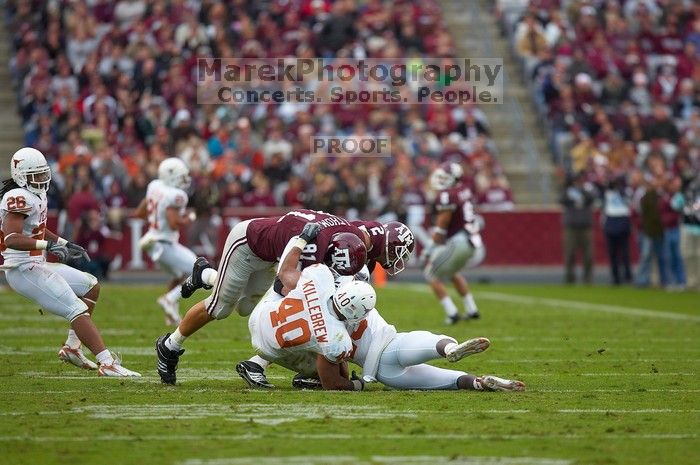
{"x": 315, "y": 311}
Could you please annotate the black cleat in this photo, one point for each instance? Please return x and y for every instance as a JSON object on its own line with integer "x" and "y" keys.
{"x": 194, "y": 281}
{"x": 253, "y": 374}
{"x": 452, "y": 320}
{"x": 167, "y": 360}
{"x": 472, "y": 316}
{"x": 303, "y": 382}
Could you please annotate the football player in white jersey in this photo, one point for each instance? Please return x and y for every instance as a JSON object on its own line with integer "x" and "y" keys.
{"x": 165, "y": 208}
{"x": 56, "y": 287}
{"x": 398, "y": 360}
{"x": 305, "y": 330}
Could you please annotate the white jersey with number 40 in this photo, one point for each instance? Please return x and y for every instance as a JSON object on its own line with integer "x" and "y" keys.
{"x": 34, "y": 208}
{"x": 159, "y": 198}
{"x": 292, "y": 327}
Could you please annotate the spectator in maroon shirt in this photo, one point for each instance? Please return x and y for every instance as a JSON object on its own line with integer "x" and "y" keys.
{"x": 93, "y": 235}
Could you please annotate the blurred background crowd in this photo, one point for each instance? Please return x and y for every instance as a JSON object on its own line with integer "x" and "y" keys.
{"x": 106, "y": 89}
{"x": 617, "y": 85}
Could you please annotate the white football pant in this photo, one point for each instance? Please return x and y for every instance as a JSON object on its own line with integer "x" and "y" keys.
{"x": 54, "y": 286}
{"x": 402, "y": 364}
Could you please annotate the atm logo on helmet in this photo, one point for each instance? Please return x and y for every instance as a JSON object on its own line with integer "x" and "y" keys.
{"x": 340, "y": 259}
{"x": 17, "y": 162}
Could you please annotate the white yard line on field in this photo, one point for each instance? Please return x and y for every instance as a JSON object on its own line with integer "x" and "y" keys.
{"x": 277, "y": 413}
{"x": 412, "y": 437}
{"x": 387, "y": 459}
{"x": 569, "y": 304}
{"x": 227, "y": 389}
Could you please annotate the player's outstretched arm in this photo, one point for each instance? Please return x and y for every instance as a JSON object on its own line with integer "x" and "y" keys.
{"x": 331, "y": 377}
{"x": 142, "y": 210}
{"x": 12, "y": 227}
{"x": 288, "y": 273}
{"x": 441, "y": 223}
{"x": 176, "y": 220}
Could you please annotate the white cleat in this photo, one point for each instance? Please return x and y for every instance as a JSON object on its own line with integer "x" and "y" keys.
{"x": 467, "y": 348}
{"x": 116, "y": 369}
{"x": 171, "y": 310}
{"x": 76, "y": 357}
{"x": 494, "y": 383}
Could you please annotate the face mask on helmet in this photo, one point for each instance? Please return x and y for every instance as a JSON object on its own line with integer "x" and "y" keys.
{"x": 346, "y": 254}
{"x": 354, "y": 300}
{"x": 39, "y": 180}
{"x": 398, "y": 247}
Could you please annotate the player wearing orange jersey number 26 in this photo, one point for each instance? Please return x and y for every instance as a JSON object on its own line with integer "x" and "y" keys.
{"x": 56, "y": 287}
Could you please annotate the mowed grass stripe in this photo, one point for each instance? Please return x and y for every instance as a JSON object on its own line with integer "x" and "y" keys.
{"x": 603, "y": 414}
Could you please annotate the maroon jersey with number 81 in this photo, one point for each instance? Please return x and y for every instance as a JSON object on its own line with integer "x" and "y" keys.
{"x": 267, "y": 237}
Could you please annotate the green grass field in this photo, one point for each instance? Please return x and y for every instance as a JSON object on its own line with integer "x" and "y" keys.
{"x": 611, "y": 377}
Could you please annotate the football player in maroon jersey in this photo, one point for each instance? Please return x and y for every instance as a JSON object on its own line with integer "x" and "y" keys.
{"x": 247, "y": 270}
{"x": 455, "y": 240}
{"x": 391, "y": 246}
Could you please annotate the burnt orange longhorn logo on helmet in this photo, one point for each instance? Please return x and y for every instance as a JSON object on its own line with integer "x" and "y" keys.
{"x": 16, "y": 162}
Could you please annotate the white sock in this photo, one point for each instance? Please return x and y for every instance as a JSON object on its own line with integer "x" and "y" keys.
{"x": 260, "y": 361}
{"x": 469, "y": 304}
{"x": 175, "y": 340}
{"x": 173, "y": 294}
{"x": 477, "y": 384}
{"x": 209, "y": 276}
{"x": 104, "y": 358}
{"x": 73, "y": 341}
{"x": 449, "y": 347}
{"x": 449, "y": 306}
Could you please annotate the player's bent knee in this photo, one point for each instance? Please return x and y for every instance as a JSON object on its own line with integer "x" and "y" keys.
{"x": 94, "y": 293}
{"x": 222, "y": 312}
{"x": 245, "y": 306}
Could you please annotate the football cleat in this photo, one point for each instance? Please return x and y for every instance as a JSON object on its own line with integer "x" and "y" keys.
{"x": 303, "y": 382}
{"x": 171, "y": 310}
{"x": 116, "y": 369}
{"x": 167, "y": 360}
{"x": 467, "y": 348}
{"x": 194, "y": 281}
{"x": 472, "y": 316}
{"x": 452, "y": 320}
{"x": 494, "y": 383}
{"x": 253, "y": 374}
{"x": 76, "y": 357}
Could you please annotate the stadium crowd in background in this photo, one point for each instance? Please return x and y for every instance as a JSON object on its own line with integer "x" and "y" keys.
{"x": 106, "y": 89}
{"x": 617, "y": 82}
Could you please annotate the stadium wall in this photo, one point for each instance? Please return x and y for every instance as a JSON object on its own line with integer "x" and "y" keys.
{"x": 524, "y": 237}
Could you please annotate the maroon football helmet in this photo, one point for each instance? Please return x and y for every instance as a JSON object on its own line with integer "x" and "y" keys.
{"x": 346, "y": 254}
{"x": 398, "y": 246}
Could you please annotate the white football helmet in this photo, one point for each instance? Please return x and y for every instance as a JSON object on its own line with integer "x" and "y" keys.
{"x": 174, "y": 173}
{"x": 354, "y": 300}
{"x": 29, "y": 169}
{"x": 446, "y": 176}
